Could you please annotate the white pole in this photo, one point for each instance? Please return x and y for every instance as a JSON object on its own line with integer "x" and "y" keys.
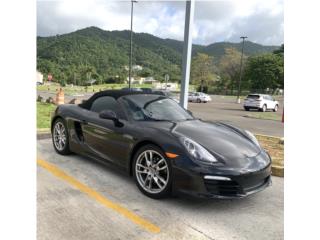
{"x": 187, "y": 49}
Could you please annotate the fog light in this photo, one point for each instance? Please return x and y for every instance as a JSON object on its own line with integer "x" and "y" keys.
{"x": 208, "y": 177}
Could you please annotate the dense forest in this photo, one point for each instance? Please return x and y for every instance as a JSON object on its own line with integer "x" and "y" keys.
{"x": 92, "y": 53}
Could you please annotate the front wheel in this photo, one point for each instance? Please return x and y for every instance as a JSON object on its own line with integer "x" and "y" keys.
{"x": 275, "y": 108}
{"x": 152, "y": 172}
{"x": 60, "y": 137}
{"x": 264, "y": 108}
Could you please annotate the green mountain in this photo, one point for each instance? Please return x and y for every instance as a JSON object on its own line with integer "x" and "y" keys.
{"x": 104, "y": 55}
{"x": 218, "y": 49}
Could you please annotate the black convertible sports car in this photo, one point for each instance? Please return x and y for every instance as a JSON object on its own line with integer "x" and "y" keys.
{"x": 162, "y": 145}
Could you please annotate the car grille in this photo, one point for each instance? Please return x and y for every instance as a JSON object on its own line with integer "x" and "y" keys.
{"x": 233, "y": 188}
{"x": 225, "y": 188}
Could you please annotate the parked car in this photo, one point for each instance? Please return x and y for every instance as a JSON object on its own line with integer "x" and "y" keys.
{"x": 167, "y": 94}
{"x": 162, "y": 145}
{"x": 199, "y": 97}
{"x": 260, "y": 102}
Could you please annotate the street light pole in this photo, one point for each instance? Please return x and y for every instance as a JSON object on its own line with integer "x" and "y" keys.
{"x": 130, "y": 58}
{"x": 239, "y": 84}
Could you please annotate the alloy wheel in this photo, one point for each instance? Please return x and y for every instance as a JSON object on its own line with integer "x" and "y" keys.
{"x": 59, "y": 136}
{"x": 152, "y": 171}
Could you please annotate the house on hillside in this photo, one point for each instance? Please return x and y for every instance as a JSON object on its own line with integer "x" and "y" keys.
{"x": 39, "y": 78}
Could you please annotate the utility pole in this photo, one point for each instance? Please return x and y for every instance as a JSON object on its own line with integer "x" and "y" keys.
{"x": 239, "y": 84}
{"x": 130, "y": 60}
{"x": 186, "y": 57}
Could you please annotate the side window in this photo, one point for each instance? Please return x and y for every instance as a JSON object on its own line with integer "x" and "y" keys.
{"x": 105, "y": 103}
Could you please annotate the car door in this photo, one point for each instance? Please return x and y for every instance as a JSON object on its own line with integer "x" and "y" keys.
{"x": 273, "y": 102}
{"x": 270, "y": 102}
{"x": 102, "y": 136}
{"x": 196, "y": 96}
{"x": 190, "y": 97}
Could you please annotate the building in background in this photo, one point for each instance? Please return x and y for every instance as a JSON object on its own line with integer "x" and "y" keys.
{"x": 39, "y": 78}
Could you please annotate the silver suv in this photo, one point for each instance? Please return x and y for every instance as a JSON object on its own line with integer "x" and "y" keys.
{"x": 260, "y": 102}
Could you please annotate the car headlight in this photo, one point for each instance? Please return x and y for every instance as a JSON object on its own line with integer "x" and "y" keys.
{"x": 252, "y": 137}
{"x": 197, "y": 151}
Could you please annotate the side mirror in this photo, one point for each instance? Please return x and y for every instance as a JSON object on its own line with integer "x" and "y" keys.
{"x": 108, "y": 114}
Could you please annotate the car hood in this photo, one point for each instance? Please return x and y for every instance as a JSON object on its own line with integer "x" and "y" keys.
{"x": 221, "y": 139}
{"x": 229, "y": 144}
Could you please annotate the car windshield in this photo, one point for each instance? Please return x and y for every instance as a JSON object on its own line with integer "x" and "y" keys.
{"x": 148, "y": 107}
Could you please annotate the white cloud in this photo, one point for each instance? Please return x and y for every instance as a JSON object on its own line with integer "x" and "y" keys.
{"x": 261, "y": 20}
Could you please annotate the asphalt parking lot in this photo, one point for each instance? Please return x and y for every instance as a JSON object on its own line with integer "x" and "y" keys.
{"x": 220, "y": 109}
{"x": 227, "y": 110}
{"x": 81, "y": 199}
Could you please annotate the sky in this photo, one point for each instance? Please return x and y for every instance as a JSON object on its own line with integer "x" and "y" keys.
{"x": 214, "y": 21}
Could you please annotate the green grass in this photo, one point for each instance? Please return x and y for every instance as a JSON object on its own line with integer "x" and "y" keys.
{"x": 44, "y": 111}
{"x": 264, "y": 115}
{"x": 275, "y": 149}
{"x": 94, "y": 88}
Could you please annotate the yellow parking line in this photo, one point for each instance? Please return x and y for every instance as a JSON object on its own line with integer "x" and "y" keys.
{"x": 98, "y": 197}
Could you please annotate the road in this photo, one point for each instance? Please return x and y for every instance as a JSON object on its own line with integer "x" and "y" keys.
{"x": 67, "y": 212}
{"x": 222, "y": 109}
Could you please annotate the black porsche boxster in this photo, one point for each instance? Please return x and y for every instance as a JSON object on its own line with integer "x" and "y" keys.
{"x": 162, "y": 145}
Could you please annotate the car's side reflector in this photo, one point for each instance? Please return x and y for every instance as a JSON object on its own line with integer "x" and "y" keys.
{"x": 171, "y": 155}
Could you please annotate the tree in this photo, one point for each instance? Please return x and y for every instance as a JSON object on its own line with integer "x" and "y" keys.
{"x": 230, "y": 67}
{"x": 202, "y": 70}
{"x": 265, "y": 71}
{"x": 279, "y": 51}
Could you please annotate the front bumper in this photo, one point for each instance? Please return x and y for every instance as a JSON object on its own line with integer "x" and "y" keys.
{"x": 192, "y": 182}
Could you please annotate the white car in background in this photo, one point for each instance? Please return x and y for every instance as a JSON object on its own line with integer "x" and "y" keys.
{"x": 199, "y": 97}
{"x": 260, "y": 102}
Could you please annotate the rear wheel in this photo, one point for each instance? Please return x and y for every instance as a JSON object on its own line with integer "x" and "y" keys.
{"x": 60, "y": 137}
{"x": 152, "y": 172}
{"x": 276, "y": 108}
{"x": 246, "y": 108}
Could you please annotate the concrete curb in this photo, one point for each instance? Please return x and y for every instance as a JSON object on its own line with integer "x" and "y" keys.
{"x": 43, "y": 133}
{"x": 252, "y": 117}
{"x": 277, "y": 171}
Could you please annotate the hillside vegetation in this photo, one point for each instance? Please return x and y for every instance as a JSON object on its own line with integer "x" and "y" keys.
{"x": 92, "y": 53}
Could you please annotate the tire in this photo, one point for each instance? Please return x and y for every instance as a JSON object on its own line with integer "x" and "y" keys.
{"x": 198, "y": 100}
{"x": 147, "y": 178}
{"x": 264, "y": 108}
{"x": 59, "y": 146}
{"x": 275, "y": 108}
{"x": 246, "y": 108}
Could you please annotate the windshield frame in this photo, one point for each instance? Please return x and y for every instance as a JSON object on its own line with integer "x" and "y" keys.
{"x": 124, "y": 102}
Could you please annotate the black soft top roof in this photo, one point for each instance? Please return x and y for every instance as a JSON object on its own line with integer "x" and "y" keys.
{"x": 112, "y": 93}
